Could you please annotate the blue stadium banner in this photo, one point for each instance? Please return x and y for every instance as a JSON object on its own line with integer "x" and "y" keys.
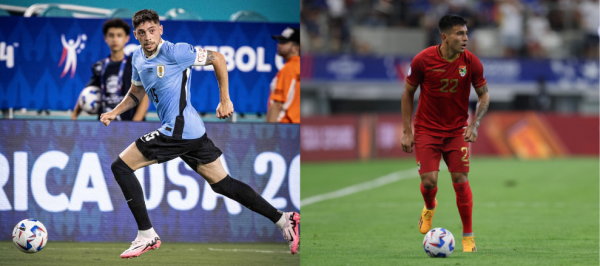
{"x": 561, "y": 73}
{"x": 46, "y": 62}
{"x": 59, "y": 173}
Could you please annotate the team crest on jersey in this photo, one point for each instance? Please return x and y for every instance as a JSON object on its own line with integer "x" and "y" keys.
{"x": 418, "y": 165}
{"x": 462, "y": 70}
{"x": 160, "y": 71}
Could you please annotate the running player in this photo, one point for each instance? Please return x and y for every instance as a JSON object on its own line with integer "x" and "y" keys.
{"x": 445, "y": 73}
{"x": 161, "y": 69}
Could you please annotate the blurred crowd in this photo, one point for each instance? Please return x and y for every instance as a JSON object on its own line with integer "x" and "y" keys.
{"x": 528, "y": 28}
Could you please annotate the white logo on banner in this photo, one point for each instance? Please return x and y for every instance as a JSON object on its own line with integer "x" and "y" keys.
{"x": 69, "y": 55}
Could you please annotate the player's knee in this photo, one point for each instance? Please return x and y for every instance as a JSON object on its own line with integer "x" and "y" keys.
{"x": 119, "y": 167}
{"x": 459, "y": 177}
{"x": 429, "y": 183}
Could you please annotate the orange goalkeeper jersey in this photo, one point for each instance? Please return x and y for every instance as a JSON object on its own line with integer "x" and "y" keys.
{"x": 285, "y": 88}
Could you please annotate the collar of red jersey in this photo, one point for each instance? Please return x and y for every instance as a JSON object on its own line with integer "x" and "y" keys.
{"x": 155, "y": 54}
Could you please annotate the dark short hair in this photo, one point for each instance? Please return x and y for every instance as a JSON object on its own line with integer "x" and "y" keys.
{"x": 116, "y": 23}
{"x": 449, "y": 21}
{"x": 143, "y": 16}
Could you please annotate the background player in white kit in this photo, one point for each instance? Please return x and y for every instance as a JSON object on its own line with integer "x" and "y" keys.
{"x": 162, "y": 69}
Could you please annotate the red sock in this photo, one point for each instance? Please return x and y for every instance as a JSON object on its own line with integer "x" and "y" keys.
{"x": 464, "y": 202}
{"x": 429, "y": 196}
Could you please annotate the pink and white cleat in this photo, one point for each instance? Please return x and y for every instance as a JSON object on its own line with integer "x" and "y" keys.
{"x": 141, "y": 245}
{"x": 290, "y": 230}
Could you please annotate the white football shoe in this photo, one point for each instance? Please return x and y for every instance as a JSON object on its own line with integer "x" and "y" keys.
{"x": 290, "y": 230}
{"x": 141, "y": 245}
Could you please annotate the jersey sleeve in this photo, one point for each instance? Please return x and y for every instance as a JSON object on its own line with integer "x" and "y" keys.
{"x": 477, "y": 79}
{"x": 285, "y": 80}
{"x": 416, "y": 71}
{"x": 135, "y": 75}
{"x": 186, "y": 55}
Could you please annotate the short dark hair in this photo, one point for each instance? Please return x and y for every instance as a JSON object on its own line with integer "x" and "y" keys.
{"x": 116, "y": 23}
{"x": 143, "y": 16}
{"x": 449, "y": 21}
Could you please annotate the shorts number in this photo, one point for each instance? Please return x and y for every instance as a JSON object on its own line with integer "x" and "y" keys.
{"x": 466, "y": 150}
{"x": 153, "y": 95}
{"x": 150, "y": 135}
{"x": 446, "y": 82}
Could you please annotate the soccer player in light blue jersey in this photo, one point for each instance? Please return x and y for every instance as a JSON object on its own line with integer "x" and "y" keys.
{"x": 162, "y": 70}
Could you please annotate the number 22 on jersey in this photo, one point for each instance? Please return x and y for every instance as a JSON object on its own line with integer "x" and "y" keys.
{"x": 453, "y": 82}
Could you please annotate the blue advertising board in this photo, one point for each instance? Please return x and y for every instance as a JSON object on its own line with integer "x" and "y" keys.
{"x": 59, "y": 173}
{"x": 567, "y": 73}
{"x": 46, "y": 62}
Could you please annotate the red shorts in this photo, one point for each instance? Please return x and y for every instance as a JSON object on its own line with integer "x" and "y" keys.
{"x": 429, "y": 150}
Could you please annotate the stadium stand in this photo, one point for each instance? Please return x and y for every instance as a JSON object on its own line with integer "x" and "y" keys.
{"x": 530, "y": 49}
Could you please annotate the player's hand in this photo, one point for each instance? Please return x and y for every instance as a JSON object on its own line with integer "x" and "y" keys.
{"x": 224, "y": 109}
{"x": 105, "y": 118}
{"x": 408, "y": 141}
{"x": 470, "y": 133}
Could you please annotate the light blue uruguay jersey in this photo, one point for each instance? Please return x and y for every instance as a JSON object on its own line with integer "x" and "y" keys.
{"x": 165, "y": 76}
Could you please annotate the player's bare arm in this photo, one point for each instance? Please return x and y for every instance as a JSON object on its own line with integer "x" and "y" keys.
{"x": 141, "y": 109}
{"x": 217, "y": 60}
{"x": 131, "y": 100}
{"x": 274, "y": 109}
{"x": 76, "y": 111}
{"x": 408, "y": 96}
{"x": 483, "y": 103}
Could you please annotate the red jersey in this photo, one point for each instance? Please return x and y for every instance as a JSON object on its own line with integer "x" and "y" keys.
{"x": 445, "y": 89}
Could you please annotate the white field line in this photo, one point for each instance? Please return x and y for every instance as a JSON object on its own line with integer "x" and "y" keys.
{"x": 248, "y": 250}
{"x": 375, "y": 183}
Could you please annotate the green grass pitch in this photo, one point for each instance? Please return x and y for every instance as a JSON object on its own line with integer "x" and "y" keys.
{"x": 169, "y": 253}
{"x": 525, "y": 213}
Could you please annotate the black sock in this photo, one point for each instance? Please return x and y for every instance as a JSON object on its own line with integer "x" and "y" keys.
{"x": 244, "y": 194}
{"x": 132, "y": 190}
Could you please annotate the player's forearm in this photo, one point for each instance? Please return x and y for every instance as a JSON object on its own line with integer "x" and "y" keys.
{"x": 273, "y": 112}
{"x": 222, "y": 75}
{"x": 482, "y": 106}
{"x": 76, "y": 111}
{"x": 129, "y": 102}
{"x": 126, "y": 104}
{"x": 407, "y": 108}
{"x": 142, "y": 108}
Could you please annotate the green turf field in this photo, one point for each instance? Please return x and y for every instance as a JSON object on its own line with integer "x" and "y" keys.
{"x": 525, "y": 213}
{"x": 73, "y": 253}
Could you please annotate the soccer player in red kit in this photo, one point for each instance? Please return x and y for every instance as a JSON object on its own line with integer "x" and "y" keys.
{"x": 445, "y": 73}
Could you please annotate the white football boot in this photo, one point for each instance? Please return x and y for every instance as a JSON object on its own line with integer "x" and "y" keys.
{"x": 290, "y": 230}
{"x": 141, "y": 245}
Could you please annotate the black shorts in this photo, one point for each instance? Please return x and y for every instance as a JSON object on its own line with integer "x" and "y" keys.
{"x": 157, "y": 146}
